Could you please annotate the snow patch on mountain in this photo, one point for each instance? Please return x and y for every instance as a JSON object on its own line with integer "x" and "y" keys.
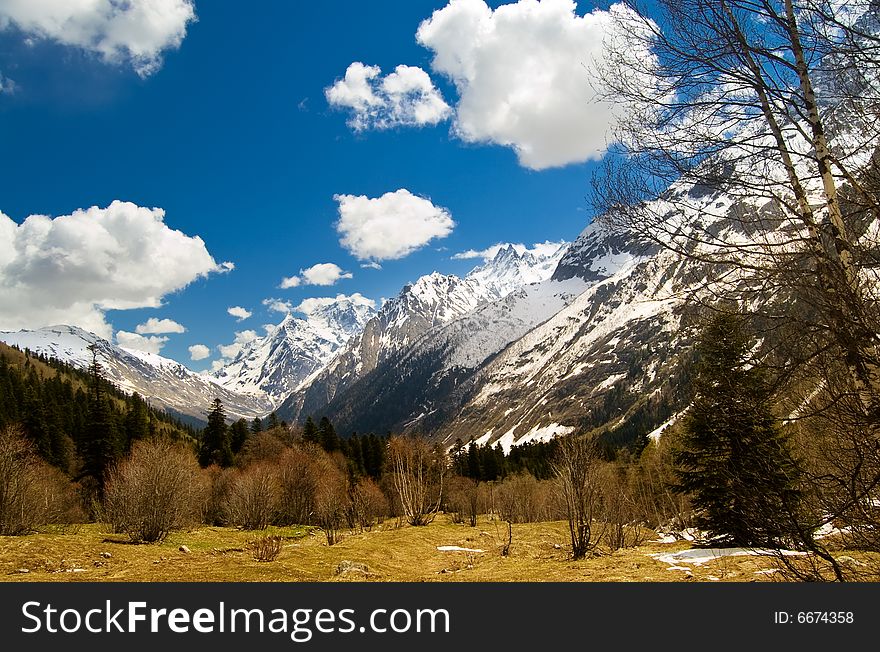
{"x": 275, "y": 365}
{"x": 166, "y": 383}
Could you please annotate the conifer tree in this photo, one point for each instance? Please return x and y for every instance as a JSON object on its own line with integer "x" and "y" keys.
{"x": 327, "y": 435}
{"x": 733, "y": 458}
{"x": 310, "y": 432}
{"x": 216, "y": 445}
{"x": 101, "y": 436}
{"x": 238, "y": 435}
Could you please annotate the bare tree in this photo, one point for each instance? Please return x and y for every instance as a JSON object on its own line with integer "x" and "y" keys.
{"x": 743, "y": 97}
{"x": 418, "y": 470}
{"x": 157, "y": 489}
{"x": 747, "y": 143}
{"x": 577, "y": 470}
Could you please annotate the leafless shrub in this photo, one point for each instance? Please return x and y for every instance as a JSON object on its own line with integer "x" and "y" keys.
{"x": 524, "y": 499}
{"x": 331, "y": 498}
{"x": 253, "y": 498}
{"x": 262, "y": 447}
{"x": 155, "y": 490}
{"x": 218, "y": 482}
{"x": 267, "y": 548}
{"x": 418, "y": 470}
{"x": 298, "y": 470}
{"x": 32, "y": 493}
{"x": 618, "y": 510}
{"x": 463, "y": 500}
{"x": 368, "y": 503}
{"x": 577, "y": 469}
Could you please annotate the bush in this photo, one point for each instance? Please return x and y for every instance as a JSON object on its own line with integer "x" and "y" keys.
{"x": 331, "y": 498}
{"x": 297, "y": 474}
{"x": 463, "y": 500}
{"x": 156, "y": 490}
{"x": 218, "y": 482}
{"x": 252, "y": 502}
{"x": 32, "y": 493}
{"x": 267, "y": 548}
{"x": 368, "y": 503}
{"x": 523, "y": 499}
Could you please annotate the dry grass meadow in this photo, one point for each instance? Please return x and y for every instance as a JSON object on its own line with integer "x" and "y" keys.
{"x": 385, "y": 553}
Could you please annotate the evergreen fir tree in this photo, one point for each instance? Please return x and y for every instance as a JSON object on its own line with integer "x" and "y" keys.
{"x": 137, "y": 420}
{"x": 216, "y": 445}
{"x": 327, "y": 436}
{"x": 238, "y": 435}
{"x": 256, "y": 425}
{"x": 100, "y": 437}
{"x": 310, "y": 432}
{"x": 733, "y": 458}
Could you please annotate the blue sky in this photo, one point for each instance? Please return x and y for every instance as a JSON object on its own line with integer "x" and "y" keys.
{"x": 233, "y": 137}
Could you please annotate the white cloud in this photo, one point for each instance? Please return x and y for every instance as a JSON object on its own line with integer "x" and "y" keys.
{"x": 152, "y": 344}
{"x": 71, "y": 269}
{"x": 229, "y": 351}
{"x": 239, "y": 313}
{"x": 521, "y": 72}
{"x": 371, "y": 265}
{"x": 391, "y": 226}
{"x": 539, "y": 249}
{"x": 278, "y": 305}
{"x": 270, "y": 328}
{"x": 320, "y": 274}
{"x": 405, "y": 98}
{"x": 199, "y": 352}
{"x": 217, "y": 365}
{"x": 155, "y": 326}
{"x": 6, "y": 85}
{"x": 134, "y": 32}
{"x": 314, "y": 305}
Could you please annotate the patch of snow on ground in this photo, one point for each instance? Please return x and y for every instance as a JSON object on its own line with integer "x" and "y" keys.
{"x": 700, "y": 556}
{"x": 458, "y": 549}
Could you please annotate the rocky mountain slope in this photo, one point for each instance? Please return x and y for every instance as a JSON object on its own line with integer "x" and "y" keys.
{"x": 431, "y": 302}
{"x": 275, "y": 365}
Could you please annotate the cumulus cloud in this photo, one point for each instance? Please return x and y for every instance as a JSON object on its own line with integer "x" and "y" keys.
{"x": 71, "y": 269}
{"x": 315, "y": 305}
{"x": 152, "y": 344}
{"x": 155, "y": 326}
{"x": 405, "y": 98}
{"x": 320, "y": 274}
{"x": 391, "y": 226}
{"x": 278, "y": 305}
{"x": 229, "y": 351}
{"x": 521, "y": 75}
{"x": 539, "y": 249}
{"x": 199, "y": 352}
{"x": 239, "y": 313}
{"x": 132, "y": 32}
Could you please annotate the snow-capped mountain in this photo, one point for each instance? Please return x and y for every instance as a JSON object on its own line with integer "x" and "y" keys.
{"x": 166, "y": 383}
{"x": 430, "y": 302}
{"x": 275, "y": 365}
